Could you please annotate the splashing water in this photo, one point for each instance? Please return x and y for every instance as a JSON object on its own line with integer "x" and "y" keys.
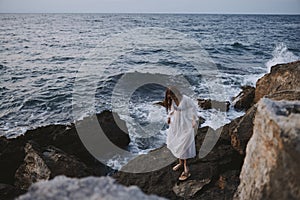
{"x": 281, "y": 55}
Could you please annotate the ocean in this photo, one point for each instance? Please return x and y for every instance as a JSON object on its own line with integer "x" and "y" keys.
{"x": 47, "y": 61}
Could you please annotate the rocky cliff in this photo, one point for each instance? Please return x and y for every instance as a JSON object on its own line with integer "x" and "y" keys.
{"x": 46, "y": 152}
{"x": 269, "y": 168}
{"x": 272, "y": 162}
{"x": 281, "y": 83}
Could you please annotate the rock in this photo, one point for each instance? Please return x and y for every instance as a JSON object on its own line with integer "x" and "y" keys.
{"x": 223, "y": 160}
{"x": 59, "y": 148}
{"x": 46, "y": 163}
{"x": 209, "y": 104}
{"x": 283, "y": 77}
{"x": 242, "y": 132}
{"x": 9, "y": 192}
{"x": 154, "y": 160}
{"x": 189, "y": 188}
{"x": 61, "y": 163}
{"x": 112, "y": 130}
{"x": 272, "y": 162}
{"x": 244, "y": 100}
{"x": 32, "y": 170}
{"x": 11, "y": 157}
{"x": 289, "y": 95}
{"x": 62, "y": 187}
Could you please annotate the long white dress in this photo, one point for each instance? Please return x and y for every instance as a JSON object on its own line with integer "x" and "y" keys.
{"x": 181, "y": 134}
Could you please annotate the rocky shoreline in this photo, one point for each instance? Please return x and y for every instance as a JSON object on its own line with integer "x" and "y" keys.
{"x": 46, "y": 152}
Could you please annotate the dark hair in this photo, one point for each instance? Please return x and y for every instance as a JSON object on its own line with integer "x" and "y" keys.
{"x": 170, "y": 94}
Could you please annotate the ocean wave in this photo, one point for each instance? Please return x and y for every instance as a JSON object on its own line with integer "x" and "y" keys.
{"x": 281, "y": 54}
{"x": 240, "y": 46}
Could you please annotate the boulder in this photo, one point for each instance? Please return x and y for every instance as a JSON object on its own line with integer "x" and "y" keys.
{"x": 62, "y": 187}
{"x": 209, "y": 104}
{"x": 242, "y": 132}
{"x": 32, "y": 170}
{"x": 283, "y": 77}
{"x": 272, "y": 162}
{"x": 216, "y": 176}
{"x": 244, "y": 100}
{"x": 9, "y": 192}
{"x": 55, "y": 148}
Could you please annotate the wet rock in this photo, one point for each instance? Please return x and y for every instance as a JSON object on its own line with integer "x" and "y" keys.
{"x": 9, "y": 192}
{"x": 242, "y": 132}
{"x": 112, "y": 129}
{"x": 244, "y": 100}
{"x": 32, "y": 170}
{"x": 272, "y": 162}
{"x": 11, "y": 157}
{"x": 58, "y": 147}
{"x": 209, "y": 104}
{"x": 223, "y": 160}
{"x": 86, "y": 188}
{"x": 283, "y": 77}
{"x": 61, "y": 163}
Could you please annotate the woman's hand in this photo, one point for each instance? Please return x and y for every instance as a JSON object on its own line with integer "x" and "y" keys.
{"x": 194, "y": 122}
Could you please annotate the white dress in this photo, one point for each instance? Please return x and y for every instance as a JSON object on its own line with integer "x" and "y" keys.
{"x": 181, "y": 134}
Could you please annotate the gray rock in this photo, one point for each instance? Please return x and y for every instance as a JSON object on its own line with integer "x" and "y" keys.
{"x": 189, "y": 188}
{"x": 92, "y": 188}
{"x": 272, "y": 162}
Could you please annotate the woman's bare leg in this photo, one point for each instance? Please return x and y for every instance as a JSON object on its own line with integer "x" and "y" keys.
{"x": 186, "y": 169}
{"x": 176, "y": 167}
{"x": 180, "y": 161}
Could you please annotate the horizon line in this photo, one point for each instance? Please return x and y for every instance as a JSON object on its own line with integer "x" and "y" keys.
{"x": 186, "y": 13}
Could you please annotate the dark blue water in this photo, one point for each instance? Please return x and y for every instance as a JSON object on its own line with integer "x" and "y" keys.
{"x": 43, "y": 57}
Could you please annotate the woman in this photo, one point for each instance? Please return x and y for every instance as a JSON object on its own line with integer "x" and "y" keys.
{"x": 182, "y": 120}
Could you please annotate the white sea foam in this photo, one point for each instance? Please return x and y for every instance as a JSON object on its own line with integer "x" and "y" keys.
{"x": 281, "y": 55}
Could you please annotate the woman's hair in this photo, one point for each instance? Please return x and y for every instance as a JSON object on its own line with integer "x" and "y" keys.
{"x": 171, "y": 93}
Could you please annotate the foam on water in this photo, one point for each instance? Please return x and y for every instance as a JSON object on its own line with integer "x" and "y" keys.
{"x": 281, "y": 55}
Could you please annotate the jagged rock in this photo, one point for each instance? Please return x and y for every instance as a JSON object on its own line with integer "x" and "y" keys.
{"x": 112, "y": 130}
{"x": 289, "y": 95}
{"x": 57, "y": 145}
{"x": 243, "y": 131}
{"x": 244, "y": 100}
{"x": 46, "y": 163}
{"x": 61, "y": 163}
{"x": 283, "y": 77}
{"x": 209, "y": 104}
{"x": 9, "y": 192}
{"x": 221, "y": 160}
{"x": 272, "y": 162}
{"x": 86, "y": 188}
{"x": 189, "y": 188}
{"x": 32, "y": 170}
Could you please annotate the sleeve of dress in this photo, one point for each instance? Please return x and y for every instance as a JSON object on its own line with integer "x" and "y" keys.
{"x": 194, "y": 109}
